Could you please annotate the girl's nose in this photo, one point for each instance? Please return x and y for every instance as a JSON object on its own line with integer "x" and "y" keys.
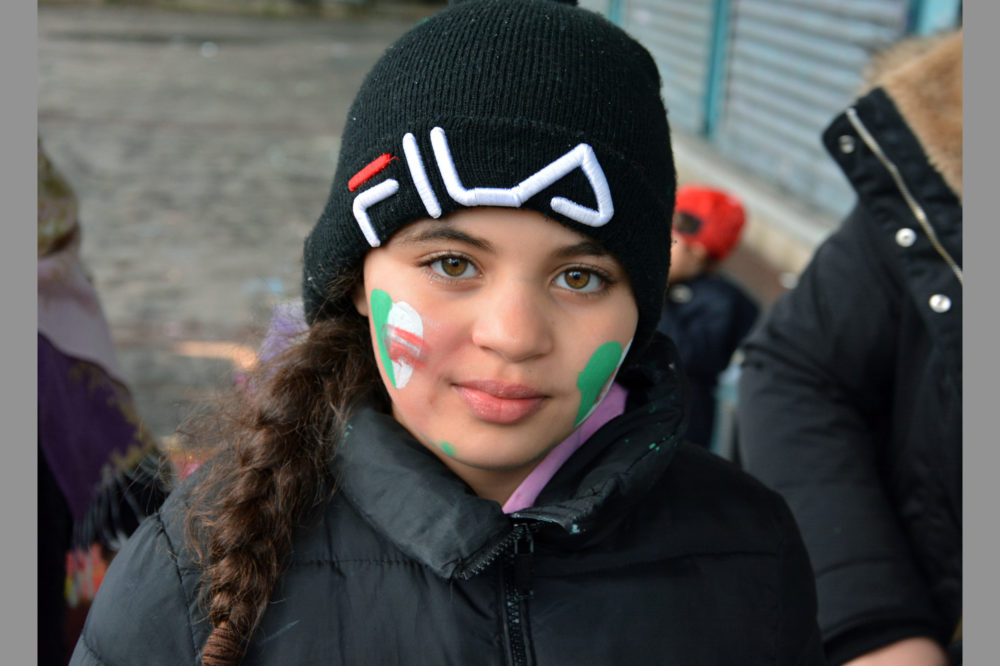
{"x": 515, "y": 321}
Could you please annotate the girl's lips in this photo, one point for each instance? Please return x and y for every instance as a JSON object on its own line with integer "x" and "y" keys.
{"x": 497, "y": 402}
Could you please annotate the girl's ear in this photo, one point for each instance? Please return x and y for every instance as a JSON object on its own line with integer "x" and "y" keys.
{"x": 360, "y": 302}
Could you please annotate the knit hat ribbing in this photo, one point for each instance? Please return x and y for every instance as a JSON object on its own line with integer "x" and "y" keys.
{"x": 528, "y": 103}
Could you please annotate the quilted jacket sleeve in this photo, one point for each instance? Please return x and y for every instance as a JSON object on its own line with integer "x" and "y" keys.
{"x": 141, "y": 612}
{"x": 815, "y": 391}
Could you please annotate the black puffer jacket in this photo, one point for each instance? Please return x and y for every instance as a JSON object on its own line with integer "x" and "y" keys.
{"x": 639, "y": 551}
{"x": 850, "y": 397}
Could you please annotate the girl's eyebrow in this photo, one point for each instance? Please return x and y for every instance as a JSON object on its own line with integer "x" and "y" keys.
{"x": 585, "y": 248}
{"x": 582, "y": 248}
{"x": 443, "y": 233}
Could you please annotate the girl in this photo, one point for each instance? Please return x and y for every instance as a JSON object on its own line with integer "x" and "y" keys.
{"x": 472, "y": 457}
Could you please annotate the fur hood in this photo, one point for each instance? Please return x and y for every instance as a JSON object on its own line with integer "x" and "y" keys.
{"x": 923, "y": 76}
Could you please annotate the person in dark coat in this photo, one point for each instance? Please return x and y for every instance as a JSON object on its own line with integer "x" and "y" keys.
{"x": 472, "y": 454}
{"x": 706, "y": 314}
{"x": 851, "y": 391}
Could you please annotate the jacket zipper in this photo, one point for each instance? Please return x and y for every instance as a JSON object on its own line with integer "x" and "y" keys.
{"x": 517, "y": 590}
{"x": 915, "y": 208}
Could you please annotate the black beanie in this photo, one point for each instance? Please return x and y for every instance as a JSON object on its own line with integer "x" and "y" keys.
{"x": 528, "y": 103}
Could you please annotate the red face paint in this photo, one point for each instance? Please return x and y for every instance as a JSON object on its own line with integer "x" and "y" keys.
{"x": 403, "y": 346}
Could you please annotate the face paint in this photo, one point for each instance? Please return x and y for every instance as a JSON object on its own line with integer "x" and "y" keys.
{"x": 594, "y": 379}
{"x": 399, "y": 330}
{"x": 404, "y": 341}
{"x": 381, "y": 303}
{"x": 445, "y": 447}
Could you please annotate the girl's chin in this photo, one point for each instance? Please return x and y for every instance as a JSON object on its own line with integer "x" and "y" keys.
{"x": 473, "y": 442}
{"x": 493, "y": 455}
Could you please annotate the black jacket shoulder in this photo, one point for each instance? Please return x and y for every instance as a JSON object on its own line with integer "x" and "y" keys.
{"x": 146, "y": 604}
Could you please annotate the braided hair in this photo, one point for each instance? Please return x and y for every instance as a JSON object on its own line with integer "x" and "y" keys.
{"x": 273, "y": 469}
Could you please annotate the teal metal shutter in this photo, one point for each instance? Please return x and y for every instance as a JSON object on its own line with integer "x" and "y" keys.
{"x": 679, "y": 36}
{"x": 605, "y": 7}
{"x": 760, "y": 79}
{"x": 792, "y": 66}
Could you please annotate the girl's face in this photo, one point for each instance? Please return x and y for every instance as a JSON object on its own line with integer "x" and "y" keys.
{"x": 497, "y": 332}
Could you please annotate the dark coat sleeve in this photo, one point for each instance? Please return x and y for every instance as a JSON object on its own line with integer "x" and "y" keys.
{"x": 814, "y": 401}
{"x": 141, "y": 612}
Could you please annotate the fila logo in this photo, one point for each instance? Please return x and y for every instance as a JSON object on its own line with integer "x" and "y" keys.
{"x": 582, "y": 156}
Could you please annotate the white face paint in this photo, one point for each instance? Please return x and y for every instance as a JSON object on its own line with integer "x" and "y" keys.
{"x": 404, "y": 338}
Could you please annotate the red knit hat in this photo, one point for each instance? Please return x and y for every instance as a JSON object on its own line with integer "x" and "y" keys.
{"x": 710, "y": 218}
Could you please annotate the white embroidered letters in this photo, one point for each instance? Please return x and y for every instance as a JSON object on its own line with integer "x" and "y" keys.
{"x": 419, "y": 175}
{"x": 581, "y": 156}
{"x": 369, "y": 198}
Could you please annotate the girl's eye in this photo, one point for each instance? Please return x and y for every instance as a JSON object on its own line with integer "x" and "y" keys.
{"x": 579, "y": 279}
{"x": 453, "y": 267}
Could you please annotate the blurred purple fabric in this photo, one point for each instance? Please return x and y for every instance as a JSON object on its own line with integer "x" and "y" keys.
{"x": 85, "y": 418}
{"x": 287, "y": 322}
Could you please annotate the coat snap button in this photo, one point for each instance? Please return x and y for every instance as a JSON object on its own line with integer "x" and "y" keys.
{"x": 940, "y": 303}
{"x": 906, "y": 237}
{"x": 846, "y": 143}
{"x": 680, "y": 293}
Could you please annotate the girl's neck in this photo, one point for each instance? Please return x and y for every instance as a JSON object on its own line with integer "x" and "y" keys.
{"x": 491, "y": 484}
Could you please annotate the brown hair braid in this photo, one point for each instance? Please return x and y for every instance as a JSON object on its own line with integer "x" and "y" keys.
{"x": 273, "y": 469}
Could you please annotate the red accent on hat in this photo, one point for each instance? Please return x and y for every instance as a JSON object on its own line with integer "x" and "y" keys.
{"x": 721, "y": 216}
{"x": 372, "y": 168}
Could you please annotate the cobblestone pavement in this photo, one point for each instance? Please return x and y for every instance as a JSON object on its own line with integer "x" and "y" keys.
{"x": 201, "y": 147}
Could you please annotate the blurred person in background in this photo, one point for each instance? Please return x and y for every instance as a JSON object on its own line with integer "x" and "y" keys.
{"x": 99, "y": 469}
{"x": 851, "y": 391}
{"x": 706, "y": 314}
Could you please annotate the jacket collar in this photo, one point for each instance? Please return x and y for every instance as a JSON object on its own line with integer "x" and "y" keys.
{"x": 887, "y": 166}
{"x": 923, "y": 78}
{"x": 410, "y": 498}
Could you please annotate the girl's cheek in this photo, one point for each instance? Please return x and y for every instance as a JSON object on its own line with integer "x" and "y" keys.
{"x": 407, "y": 340}
{"x": 433, "y": 354}
{"x": 399, "y": 336}
{"x": 595, "y": 380}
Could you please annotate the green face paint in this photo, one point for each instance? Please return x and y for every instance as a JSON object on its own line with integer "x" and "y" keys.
{"x": 381, "y": 303}
{"x": 595, "y": 376}
{"x": 446, "y": 447}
